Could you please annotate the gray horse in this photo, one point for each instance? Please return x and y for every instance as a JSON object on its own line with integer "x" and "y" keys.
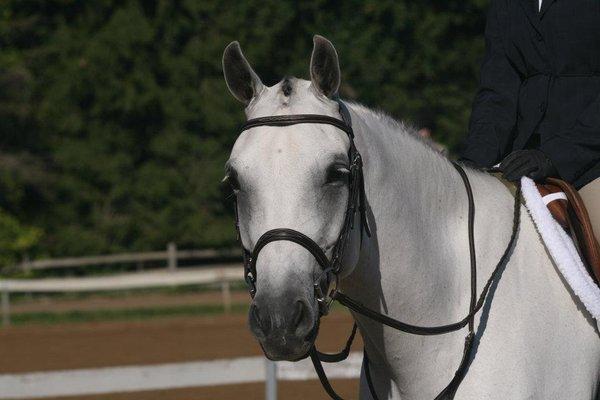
{"x": 534, "y": 339}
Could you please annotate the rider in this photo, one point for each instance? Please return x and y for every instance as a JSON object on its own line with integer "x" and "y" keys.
{"x": 538, "y": 106}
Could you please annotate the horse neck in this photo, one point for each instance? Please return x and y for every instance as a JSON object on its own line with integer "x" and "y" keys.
{"x": 419, "y": 205}
{"x": 416, "y": 264}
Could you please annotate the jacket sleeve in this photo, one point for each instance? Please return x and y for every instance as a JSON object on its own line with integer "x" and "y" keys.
{"x": 579, "y": 145}
{"x": 494, "y": 113}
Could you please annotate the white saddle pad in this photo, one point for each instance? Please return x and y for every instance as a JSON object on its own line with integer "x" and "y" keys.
{"x": 562, "y": 250}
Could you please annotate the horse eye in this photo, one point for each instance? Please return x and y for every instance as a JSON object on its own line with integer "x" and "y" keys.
{"x": 337, "y": 174}
{"x": 232, "y": 180}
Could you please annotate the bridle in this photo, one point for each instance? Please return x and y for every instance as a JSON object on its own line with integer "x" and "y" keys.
{"x": 326, "y": 285}
{"x": 356, "y": 203}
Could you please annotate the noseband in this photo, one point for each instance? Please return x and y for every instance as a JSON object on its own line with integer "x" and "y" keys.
{"x": 325, "y": 292}
{"x": 330, "y": 267}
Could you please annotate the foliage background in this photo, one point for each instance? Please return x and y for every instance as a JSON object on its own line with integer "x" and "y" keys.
{"x": 115, "y": 121}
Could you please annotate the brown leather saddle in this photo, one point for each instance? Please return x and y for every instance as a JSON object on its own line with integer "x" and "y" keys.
{"x": 568, "y": 209}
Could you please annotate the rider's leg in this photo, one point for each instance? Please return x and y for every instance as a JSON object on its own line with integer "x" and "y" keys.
{"x": 590, "y": 194}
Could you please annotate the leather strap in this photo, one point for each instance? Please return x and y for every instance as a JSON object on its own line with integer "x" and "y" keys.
{"x": 342, "y": 355}
{"x": 475, "y": 306}
{"x": 289, "y": 235}
{"x": 441, "y": 329}
{"x": 287, "y": 120}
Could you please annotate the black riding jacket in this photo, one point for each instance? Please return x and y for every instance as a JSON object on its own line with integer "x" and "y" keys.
{"x": 540, "y": 86}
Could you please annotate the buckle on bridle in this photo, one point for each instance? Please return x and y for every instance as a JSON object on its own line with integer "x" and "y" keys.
{"x": 356, "y": 162}
{"x": 250, "y": 282}
{"x": 325, "y": 299}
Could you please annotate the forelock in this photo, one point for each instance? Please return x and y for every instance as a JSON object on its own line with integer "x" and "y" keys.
{"x": 287, "y": 86}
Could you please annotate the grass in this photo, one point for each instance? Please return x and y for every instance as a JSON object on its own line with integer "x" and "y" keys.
{"x": 132, "y": 314}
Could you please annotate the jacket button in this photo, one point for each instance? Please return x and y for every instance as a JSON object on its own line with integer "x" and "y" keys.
{"x": 542, "y": 106}
{"x": 539, "y": 37}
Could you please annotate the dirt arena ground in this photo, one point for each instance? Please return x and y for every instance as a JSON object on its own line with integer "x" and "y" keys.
{"x": 286, "y": 391}
{"x": 74, "y": 346}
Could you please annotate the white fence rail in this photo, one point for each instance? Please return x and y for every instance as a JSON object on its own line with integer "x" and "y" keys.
{"x": 171, "y": 276}
{"x": 168, "y": 376}
{"x": 137, "y": 280}
{"x": 220, "y": 274}
{"x": 171, "y": 255}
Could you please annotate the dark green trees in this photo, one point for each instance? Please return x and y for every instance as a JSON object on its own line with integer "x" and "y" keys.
{"x": 115, "y": 121}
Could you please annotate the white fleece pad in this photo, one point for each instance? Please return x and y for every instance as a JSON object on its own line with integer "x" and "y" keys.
{"x": 562, "y": 249}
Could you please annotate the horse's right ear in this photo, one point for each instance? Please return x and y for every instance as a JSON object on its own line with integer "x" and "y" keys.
{"x": 242, "y": 81}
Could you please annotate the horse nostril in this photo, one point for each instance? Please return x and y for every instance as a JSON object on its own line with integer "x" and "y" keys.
{"x": 261, "y": 324}
{"x": 298, "y": 313}
{"x": 254, "y": 311}
{"x": 282, "y": 319}
{"x": 302, "y": 320}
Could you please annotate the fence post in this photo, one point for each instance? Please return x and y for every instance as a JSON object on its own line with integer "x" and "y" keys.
{"x": 5, "y": 305}
{"x": 26, "y": 264}
{"x": 271, "y": 380}
{"x": 172, "y": 256}
{"x": 226, "y": 292}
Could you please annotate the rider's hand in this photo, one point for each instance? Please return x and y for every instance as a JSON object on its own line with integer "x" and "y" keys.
{"x": 531, "y": 163}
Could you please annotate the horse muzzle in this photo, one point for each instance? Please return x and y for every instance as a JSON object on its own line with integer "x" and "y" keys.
{"x": 285, "y": 326}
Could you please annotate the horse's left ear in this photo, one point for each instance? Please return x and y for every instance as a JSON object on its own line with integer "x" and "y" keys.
{"x": 324, "y": 67}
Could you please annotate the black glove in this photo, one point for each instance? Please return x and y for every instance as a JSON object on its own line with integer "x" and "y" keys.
{"x": 531, "y": 163}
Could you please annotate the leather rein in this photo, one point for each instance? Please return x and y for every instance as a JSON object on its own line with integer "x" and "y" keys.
{"x": 326, "y": 285}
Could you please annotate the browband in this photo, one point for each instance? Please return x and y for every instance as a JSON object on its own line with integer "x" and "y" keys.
{"x": 287, "y": 120}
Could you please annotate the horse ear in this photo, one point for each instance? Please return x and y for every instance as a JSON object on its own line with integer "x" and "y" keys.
{"x": 324, "y": 67}
{"x": 242, "y": 81}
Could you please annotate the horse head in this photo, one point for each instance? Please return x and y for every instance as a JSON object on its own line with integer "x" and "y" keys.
{"x": 294, "y": 177}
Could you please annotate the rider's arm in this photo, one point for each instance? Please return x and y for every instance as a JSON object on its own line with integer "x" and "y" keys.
{"x": 494, "y": 113}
